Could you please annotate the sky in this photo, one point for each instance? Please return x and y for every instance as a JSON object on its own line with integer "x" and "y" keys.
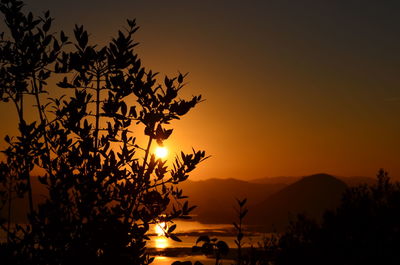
{"x": 292, "y": 88}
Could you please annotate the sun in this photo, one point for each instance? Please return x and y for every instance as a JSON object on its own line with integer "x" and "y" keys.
{"x": 160, "y": 228}
{"x": 161, "y": 152}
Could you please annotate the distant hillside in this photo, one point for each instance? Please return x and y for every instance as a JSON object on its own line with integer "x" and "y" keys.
{"x": 215, "y": 198}
{"x": 276, "y": 180}
{"x": 311, "y": 195}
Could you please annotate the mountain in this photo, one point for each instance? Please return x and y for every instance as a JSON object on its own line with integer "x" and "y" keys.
{"x": 215, "y": 198}
{"x": 287, "y": 180}
{"x": 311, "y": 195}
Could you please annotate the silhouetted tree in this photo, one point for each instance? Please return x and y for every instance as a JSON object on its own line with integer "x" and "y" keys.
{"x": 364, "y": 229}
{"x": 104, "y": 188}
{"x": 25, "y": 60}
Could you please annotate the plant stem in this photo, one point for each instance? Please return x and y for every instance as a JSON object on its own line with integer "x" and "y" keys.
{"x": 9, "y": 207}
{"x": 96, "y": 131}
{"x": 147, "y": 152}
{"x": 146, "y": 155}
{"x": 43, "y": 122}
{"x": 26, "y": 166}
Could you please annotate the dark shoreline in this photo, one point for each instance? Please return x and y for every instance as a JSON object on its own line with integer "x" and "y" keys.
{"x": 184, "y": 252}
{"x": 254, "y": 231}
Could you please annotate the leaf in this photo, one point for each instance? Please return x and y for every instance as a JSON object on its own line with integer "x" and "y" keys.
{"x": 243, "y": 202}
{"x": 132, "y": 112}
{"x": 175, "y": 238}
{"x": 191, "y": 208}
{"x": 63, "y": 37}
{"x": 167, "y": 133}
{"x": 223, "y": 247}
{"x": 47, "y": 40}
{"x": 131, "y": 23}
{"x": 203, "y": 239}
{"x": 124, "y": 108}
{"x": 56, "y": 46}
{"x": 159, "y": 133}
{"x": 180, "y": 78}
{"x": 47, "y": 25}
{"x": 171, "y": 228}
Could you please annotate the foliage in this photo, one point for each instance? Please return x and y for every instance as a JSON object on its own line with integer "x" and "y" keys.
{"x": 211, "y": 247}
{"x": 104, "y": 188}
{"x": 241, "y": 213}
{"x": 217, "y": 249}
{"x": 260, "y": 254}
{"x": 364, "y": 229}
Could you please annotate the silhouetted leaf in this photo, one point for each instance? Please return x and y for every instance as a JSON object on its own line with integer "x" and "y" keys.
{"x": 222, "y": 247}
{"x": 171, "y": 228}
{"x": 203, "y": 239}
{"x": 175, "y": 238}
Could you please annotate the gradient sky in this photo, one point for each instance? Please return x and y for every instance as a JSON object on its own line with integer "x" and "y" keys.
{"x": 291, "y": 87}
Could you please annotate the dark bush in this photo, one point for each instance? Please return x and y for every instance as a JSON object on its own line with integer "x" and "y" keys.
{"x": 364, "y": 229}
{"x": 105, "y": 188}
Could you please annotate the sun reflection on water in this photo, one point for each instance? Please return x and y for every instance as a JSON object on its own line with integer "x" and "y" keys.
{"x": 161, "y": 242}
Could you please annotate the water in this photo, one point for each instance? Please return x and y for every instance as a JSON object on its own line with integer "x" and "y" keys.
{"x": 166, "y": 250}
{"x": 159, "y": 260}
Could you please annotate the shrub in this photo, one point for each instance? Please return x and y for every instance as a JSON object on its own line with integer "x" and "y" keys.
{"x": 105, "y": 188}
{"x": 364, "y": 229}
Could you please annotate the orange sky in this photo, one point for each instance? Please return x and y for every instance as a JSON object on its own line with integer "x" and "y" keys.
{"x": 290, "y": 88}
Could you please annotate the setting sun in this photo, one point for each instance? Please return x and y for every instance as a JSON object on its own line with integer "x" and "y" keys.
{"x": 161, "y": 152}
{"x": 160, "y": 228}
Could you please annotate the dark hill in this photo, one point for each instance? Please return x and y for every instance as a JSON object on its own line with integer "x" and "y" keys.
{"x": 276, "y": 180}
{"x": 215, "y": 198}
{"x": 311, "y": 195}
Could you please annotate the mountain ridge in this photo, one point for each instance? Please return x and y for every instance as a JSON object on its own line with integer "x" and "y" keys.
{"x": 311, "y": 195}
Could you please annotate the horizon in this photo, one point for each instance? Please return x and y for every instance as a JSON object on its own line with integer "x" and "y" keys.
{"x": 394, "y": 178}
